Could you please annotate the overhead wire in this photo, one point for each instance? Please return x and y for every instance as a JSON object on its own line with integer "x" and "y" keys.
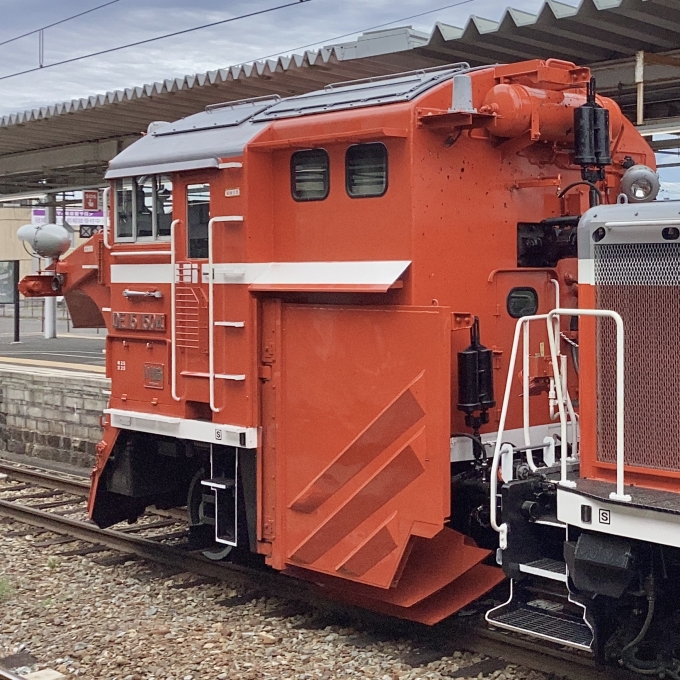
{"x": 57, "y": 23}
{"x": 154, "y": 39}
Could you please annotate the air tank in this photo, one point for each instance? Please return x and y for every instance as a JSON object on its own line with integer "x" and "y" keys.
{"x": 519, "y": 109}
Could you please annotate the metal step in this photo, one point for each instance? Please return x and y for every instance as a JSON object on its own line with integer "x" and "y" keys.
{"x": 533, "y": 621}
{"x": 555, "y": 570}
{"x": 550, "y": 521}
{"x": 219, "y": 483}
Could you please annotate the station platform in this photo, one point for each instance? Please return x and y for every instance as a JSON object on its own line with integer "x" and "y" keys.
{"x": 78, "y": 350}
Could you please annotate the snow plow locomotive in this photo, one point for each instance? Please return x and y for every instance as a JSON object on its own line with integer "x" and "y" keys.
{"x": 313, "y": 305}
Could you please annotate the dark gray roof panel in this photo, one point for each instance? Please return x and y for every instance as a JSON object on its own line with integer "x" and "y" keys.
{"x": 229, "y": 114}
{"x": 196, "y": 149}
{"x": 370, "y": 92}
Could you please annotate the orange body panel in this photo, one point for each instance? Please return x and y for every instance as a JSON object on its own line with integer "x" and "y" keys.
{"x": 362, "y": 452}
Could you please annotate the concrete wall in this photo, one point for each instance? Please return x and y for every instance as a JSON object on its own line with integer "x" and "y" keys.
{"x": 11, "y": 219}
{"x": 51, "y": 415}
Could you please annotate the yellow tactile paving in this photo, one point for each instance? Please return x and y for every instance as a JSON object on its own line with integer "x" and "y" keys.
{"x": 87, "y": 368}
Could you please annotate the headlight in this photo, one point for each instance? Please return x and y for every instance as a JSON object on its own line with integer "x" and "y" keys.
{"x": 47, "y": 240}
{"x": 640, "y": 184}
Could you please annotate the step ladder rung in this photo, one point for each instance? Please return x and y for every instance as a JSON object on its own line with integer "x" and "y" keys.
{"x": 541, "y": 624}
{"x": 555, "y": 570}
{"x": 219, "y": 483}
{"x": 231, "y": 324}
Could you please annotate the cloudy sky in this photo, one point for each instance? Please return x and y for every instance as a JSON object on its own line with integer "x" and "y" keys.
{"x": 126, "y": 21}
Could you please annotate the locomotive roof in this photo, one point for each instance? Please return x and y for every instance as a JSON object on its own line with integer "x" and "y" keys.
{"x": 223, "y": 130}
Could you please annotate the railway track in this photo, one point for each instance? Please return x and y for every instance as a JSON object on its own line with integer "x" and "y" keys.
{"x": 44, "y": 499}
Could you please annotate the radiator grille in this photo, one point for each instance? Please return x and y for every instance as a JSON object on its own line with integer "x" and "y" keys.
{"x": 642, "y": 283}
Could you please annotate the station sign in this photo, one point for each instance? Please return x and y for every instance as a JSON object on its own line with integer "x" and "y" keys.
{"x": 91, "y": 200}
{"x": 73, "y": 216}
{"x": 89, "y": 230}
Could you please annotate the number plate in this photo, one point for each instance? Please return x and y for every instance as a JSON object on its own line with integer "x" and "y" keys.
{"x": 134, "y": 321}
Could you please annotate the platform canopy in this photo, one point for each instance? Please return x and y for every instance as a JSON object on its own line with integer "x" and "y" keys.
{"x": 68, "y": 145}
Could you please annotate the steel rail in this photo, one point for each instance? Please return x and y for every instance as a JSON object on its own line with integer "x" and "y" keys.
{"x": 515, "y": 650}
{"x": 145, "y": 548}
{"x": 47, "y": 479}
{"x": 8, "y": 675}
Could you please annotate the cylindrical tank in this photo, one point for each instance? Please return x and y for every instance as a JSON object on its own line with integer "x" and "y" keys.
{"x": 486, "y": 398}
{"x": 515, "y": 104}
{"x": 468, "y": 380}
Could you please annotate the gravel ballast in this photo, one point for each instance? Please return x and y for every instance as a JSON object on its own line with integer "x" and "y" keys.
{"x": 134, "y": 621}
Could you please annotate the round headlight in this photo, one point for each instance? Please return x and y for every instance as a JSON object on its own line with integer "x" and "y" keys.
{"x": 640, "y": 184}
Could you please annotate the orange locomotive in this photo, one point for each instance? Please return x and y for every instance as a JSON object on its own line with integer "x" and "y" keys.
{"x": 310, "y": 303}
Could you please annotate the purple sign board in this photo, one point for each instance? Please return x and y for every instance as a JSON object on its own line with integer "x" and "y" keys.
{"x": 74, "y": 217}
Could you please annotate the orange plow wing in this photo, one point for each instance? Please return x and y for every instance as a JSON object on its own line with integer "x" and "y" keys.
{"x": 441, "y": 576}
{"x": 356, "y": 472}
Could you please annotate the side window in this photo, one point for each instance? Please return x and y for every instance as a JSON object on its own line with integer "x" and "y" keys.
{"x": 198, "y": 216}
{"x": 163, "y": 206}
{"x": 522, "y": 302}
{"x": 310, "y": 175}
{"x": 366, "y": 170}
{"x": 124, "y": 231}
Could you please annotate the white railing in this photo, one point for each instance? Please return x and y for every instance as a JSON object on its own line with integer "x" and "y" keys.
{"x": 173, "y": 309}
{"x": 211, "y": 310}
{"x": 503, "y": 452}
{"x": 502, "y": 449}
{"x": 619, "y": 494}
{"x": 105, "y": 210}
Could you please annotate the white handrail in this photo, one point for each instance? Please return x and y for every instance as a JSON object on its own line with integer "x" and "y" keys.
{"x": 211, "y": 311}
{"x": 525, "y": 383}
{"x": 525, "y": 399}
{"x": 619, "y": 494}
{"x": 173, "y": 309}
{"x": 503, "y": 529}
{"x": 105, "y": 208}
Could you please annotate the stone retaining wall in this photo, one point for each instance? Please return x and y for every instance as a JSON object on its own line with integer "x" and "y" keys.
{"x": 52, "y": 415}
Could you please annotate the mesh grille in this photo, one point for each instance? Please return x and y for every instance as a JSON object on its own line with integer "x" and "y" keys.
{"x": 638, "y": 264}
{"x": 642, "y": 283}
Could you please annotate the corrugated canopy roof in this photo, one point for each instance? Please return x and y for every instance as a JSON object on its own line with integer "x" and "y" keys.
{"x": 595, "y": 32}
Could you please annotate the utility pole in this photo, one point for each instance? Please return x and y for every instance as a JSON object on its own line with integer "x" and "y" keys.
{"x": 50, "y": 307}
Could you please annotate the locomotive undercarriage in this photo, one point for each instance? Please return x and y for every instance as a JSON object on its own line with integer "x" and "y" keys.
{"x": 613, "y": 595}
{"x": 215, "y": 483}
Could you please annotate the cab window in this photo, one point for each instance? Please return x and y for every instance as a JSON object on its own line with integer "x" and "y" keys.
{"x": 124, "y": 211}
{"x": 522, "y": 301}
{"x": 310, "y": 175}
{"x": 163, "y": 206}
{"x": 143, "y": 208}
{"x": 198, "y": 216}
{"x": 144, "y": 191}
{"x": 366, "y": 170}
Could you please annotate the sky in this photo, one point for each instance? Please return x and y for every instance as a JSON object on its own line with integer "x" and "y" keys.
{"x": 245, "y": 40}
{"x": 281, "y": 31}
